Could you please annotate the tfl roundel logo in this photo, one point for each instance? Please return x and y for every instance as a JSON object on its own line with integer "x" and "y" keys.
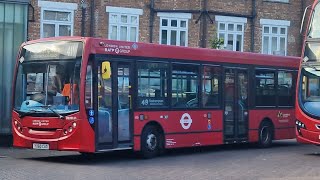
{"x": 186, "y": 121}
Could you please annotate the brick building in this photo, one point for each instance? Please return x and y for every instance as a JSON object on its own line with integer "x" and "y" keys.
{"x": 262, "y": 26}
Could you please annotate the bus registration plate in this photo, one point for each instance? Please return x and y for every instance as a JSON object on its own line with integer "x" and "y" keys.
{"x": 40, "y": 146}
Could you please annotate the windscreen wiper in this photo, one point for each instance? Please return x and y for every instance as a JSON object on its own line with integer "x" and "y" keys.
{"x": 31, "y": 112}
{"x": 54, "y": 112}
{"x": 313, "y": 66}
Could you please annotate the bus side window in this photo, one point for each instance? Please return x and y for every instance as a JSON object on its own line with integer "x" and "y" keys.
{"x": 152, "y": 84}
{"x": 210, "y": 86}
{"x": 185, "y": 85}
{"x": 285, "y": 88}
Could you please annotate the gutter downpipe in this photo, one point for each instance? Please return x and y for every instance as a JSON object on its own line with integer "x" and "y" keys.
{"x": 204, "y": 24}
{"x": 83, "y": 14}
{"x": 253, "y": 25}
{"x": 92, "y": 4}
{"x": 151, "y": 21}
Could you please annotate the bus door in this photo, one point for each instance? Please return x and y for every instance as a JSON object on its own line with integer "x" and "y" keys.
{"x": 235, "y": 105}
{"x": 114, "y": 105}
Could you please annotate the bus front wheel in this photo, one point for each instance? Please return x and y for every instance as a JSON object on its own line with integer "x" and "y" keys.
{"x": 150, "y": 142}
{"x": 265, "y": 134}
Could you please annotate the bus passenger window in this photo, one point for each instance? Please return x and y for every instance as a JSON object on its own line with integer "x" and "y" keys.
{"x": 152, "y": 84}
{"x": 210, "y": 86}
{"x": 265, "y": 88}
{"x": 285, "y": 89}
{"x": 185, "y": 86}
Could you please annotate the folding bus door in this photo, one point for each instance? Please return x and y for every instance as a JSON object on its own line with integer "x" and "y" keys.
{"x": 114, "y": 105}
{"x": 235, "y": 105}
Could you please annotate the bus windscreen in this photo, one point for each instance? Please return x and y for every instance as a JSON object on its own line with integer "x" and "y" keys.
{"x": 48, "y": 78}
{"x": 314, "y": 29}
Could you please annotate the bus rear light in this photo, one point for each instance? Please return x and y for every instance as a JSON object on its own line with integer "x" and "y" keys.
{"x": 70, "y": 129}
{"x": 15, "y": 122}
{"x": 65, "y": 132}
{"x": 141, "y": 117}
{"x": 74, "y": 125}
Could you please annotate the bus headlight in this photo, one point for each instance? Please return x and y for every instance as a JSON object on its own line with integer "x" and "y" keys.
{"x": 300, "y": 124}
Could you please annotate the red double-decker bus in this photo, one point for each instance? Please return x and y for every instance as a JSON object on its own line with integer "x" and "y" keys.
{"x": 94, "y": 95}
{"x": 308, "y": 91}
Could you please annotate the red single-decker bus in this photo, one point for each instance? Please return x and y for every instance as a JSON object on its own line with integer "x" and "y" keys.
{"x": 93, "y": 95}
{"x": 308, "y": 91}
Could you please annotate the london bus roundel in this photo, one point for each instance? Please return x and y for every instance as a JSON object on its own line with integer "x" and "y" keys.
{"x": 186, "y": 121}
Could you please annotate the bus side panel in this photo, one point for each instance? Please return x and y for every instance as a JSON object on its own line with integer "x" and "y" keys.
{"x": 282, "y": 119}
{"x": 193, "y": 139}
{"x": 188, "y": 127}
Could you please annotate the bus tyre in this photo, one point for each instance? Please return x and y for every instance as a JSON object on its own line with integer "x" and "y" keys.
{"x": 265, "y": 135}
{"x": 150, "y": 142}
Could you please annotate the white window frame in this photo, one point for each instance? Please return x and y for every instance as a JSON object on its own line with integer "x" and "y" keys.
{"x": 129, "y": 12}
{"x": 279, "y": 24}
{"x": 235, "y": 21}
{"x": 178, "y": 17}
{"x": 58, "y": 7}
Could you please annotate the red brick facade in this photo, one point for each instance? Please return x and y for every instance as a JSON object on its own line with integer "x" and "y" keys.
{"x": 252, "y": 10}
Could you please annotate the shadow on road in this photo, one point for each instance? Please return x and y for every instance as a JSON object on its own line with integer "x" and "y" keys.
{"x": 128, "y": 156}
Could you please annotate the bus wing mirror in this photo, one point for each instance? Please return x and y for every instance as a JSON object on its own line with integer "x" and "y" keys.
{"x": 303, "y": 19}
{"x": 106, "y": 70}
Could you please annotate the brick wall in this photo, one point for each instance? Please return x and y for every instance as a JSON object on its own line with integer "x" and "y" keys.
{"x": 291, "y": 11}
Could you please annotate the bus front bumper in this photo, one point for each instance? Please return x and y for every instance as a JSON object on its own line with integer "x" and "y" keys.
{"x": 308, "y": 137}
{"x": 58, "y": 140}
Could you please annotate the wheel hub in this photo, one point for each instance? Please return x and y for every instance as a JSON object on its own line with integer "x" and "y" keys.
{"x": 151, "y": 142}
{"x": 265, "y": 134}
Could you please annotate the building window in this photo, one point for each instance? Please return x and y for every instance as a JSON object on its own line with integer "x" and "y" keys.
{"x": 274, "y": 36}
{"x": 231, "y": 30}
{"x": 123, "y": 23}
{"x": 56, "y": 18}
{"x": 174, "y": 28}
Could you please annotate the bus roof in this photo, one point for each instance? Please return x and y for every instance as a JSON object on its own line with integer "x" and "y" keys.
{"x": 149, "y": 50}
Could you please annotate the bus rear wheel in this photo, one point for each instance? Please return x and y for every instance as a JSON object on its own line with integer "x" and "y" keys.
{"x": 151, "y": 139}
{"x": 265, "y": 135}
